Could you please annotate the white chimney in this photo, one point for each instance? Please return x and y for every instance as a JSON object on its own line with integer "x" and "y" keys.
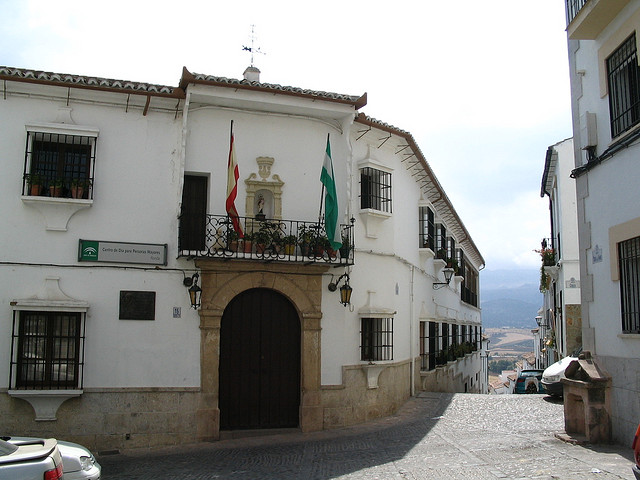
{"x": 252, "y": 74}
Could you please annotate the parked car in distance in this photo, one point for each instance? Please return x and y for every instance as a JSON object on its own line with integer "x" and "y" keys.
{"x": 529, "y": 381}
{"x": 78, "y": 462}
{"x": 554, "y": 373}
{"x": 636, "y": 454}
{"x": 36, "y": 460}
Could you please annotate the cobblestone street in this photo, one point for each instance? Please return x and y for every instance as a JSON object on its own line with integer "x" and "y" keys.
{"x": 433, "y": 436}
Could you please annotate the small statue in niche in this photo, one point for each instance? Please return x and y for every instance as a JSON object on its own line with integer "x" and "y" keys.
{"x": 260, "y": 215}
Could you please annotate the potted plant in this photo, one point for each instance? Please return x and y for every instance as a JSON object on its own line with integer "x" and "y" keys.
{"x": 346, "y": 247}
{"x": 277, "y": 241}
{"x": 247, "y": 242}
{"x": 55, "y": 187}
{"x": 319, "y": 245}
{"x": 305, "y": 237}
{"x": 35, "y": 184}
{"x": 289, "y": 243}
{"x": 77, "y": 187}
{"x": 262, "y": 238}
{"x": 232, "y": 240}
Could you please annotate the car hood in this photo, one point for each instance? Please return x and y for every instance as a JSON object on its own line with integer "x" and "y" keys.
{"x": 558, "y": 368}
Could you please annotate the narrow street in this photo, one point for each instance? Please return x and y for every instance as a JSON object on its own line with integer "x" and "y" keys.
{"x": 433, "y": 436}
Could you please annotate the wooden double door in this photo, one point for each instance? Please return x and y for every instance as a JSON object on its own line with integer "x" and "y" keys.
{"x": 260, "y": 342}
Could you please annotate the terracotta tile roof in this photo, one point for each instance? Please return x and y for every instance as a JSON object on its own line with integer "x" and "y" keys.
{"x": 83, "y": 81}
{"x": 188, "y": 77}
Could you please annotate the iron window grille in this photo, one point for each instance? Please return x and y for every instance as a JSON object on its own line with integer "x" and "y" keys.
{"x": 629, "y": 263}
{"x": 624, "y": 87}
{"x": 441, "y": 241}
{"x": 59, "y": 165}
{"x": 47, "y": 350}
{"x": 430, "y": 345}
{"x": 375, "y": 189}
{"x": 427, "y": 228}
{"x": 376, "y": 339}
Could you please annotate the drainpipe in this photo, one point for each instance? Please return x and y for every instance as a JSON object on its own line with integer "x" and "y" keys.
{"x": 411, "y": 338}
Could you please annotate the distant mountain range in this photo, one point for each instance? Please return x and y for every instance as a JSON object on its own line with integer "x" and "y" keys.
{"x": 510, "y": 298}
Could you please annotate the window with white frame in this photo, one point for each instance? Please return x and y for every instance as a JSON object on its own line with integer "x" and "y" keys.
{"x": 59, "y": 163}
{"x": 376, "y": 339}
{"x": 47, "y": 350}
{"x": 629, "y": 265}
{"x": 623, "y": 75}
{"x": 375, "y": 189}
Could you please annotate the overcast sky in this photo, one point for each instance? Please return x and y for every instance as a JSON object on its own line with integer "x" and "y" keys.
{"x": 483, "y": 87}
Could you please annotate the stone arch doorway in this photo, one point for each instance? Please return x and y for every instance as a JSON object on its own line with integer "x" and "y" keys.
{"x": 259, "y": 371}
{"x": 221, "y": 282}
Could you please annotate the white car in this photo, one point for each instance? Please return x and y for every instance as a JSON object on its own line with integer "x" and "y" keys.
{"x": 553, "y": 375}
{"x": 39, "y": 459}
{"x": 78, "y": 462}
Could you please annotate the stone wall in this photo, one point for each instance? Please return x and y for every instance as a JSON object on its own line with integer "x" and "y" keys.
{"x": 573, "y": 314}
{"x": 354, "y": 402}
{"x": 111, "y": 419}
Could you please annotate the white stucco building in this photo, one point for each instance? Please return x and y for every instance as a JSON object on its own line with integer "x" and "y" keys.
{"x": 99, "y": 340}
{"x": 603, "y": 38}
{"x": 561, "y": 310}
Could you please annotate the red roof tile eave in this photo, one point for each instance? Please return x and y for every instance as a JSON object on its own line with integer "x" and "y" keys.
{"x": 188, "y": 78}
{"x": 43, "y": 78}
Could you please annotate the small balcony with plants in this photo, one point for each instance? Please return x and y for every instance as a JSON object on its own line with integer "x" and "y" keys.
{"x": 549, "y": 268}
{"x": 265, "y": 240}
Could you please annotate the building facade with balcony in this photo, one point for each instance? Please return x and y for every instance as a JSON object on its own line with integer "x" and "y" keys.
{"x": 115, "y": 195}
{"x": 605, "y": 92}
{"x": 561, "y": 318}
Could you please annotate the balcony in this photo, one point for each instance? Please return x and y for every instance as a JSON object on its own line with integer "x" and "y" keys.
{"x": 586, "y": 19}
{"x": 264, "y": 240}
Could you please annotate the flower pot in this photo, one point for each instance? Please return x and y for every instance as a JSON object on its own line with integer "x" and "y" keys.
{"x": 289, "y": 249}
{"x": 261, "y": 247}
{"x": 35, "y": 190}
{"x": 247, "y": 246}
{"x": 55, "y": 191}
{"x": 77, "y": 192}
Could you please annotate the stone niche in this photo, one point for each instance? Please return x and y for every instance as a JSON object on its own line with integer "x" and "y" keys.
{"x": 264, "y": 192}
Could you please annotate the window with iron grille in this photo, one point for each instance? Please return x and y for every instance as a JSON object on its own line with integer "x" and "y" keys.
{"x": 469, "y": 287}
{"x": 427, "y": 228}
{"x": 47, "y": 350}
{"x": 441, "y": 241}
{"x": 624, "y": 87}
{"x": 430, "y": 345}
{"x": 375, "y": 189}
{"x": 629, "y": 263}
{"x": 59, "y": 165}
{"x": 376, "y": 339}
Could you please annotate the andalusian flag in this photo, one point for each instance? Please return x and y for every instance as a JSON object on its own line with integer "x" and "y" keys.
{"x": 232, "y": 187}
{"x": 330, "y": 200}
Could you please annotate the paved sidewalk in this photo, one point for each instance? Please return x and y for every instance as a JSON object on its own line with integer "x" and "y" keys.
{"x": 433, "y": 436}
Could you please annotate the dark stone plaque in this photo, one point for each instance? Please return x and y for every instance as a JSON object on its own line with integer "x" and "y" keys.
{"x": 137, "y": 305}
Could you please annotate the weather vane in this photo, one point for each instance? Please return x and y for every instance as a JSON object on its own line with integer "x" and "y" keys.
{"x": 252, "y": 49}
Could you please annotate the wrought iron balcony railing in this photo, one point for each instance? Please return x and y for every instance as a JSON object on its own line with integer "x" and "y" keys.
{"x": 213, "y": 236}
{"x": 573, "y": 8}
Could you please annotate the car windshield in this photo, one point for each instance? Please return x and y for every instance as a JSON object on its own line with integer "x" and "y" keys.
{"x": 530, "y": 374}
{"x": 6, "y": 448}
